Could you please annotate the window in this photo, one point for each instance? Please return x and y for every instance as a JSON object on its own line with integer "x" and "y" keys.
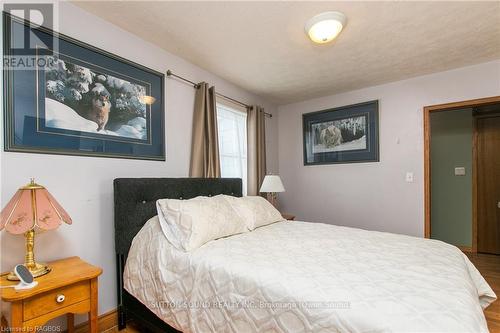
{"x": 232, "y": 128}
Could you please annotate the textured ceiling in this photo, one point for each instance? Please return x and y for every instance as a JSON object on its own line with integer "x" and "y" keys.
{"x": 262, "y": 47}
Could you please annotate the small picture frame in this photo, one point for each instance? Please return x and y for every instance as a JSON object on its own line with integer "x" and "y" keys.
{"x": 347, "y": 134}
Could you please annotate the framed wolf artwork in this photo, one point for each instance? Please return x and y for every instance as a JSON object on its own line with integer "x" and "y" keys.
{"x": 346, "y": 134}
{"x": 63, "y": 96}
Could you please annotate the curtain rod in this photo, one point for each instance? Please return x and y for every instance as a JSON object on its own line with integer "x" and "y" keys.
{"x": 195, "y": 85}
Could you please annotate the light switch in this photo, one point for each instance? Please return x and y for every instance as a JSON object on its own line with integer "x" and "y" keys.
{"x": 459, "y": 171}
{"x": 409, "y": 177}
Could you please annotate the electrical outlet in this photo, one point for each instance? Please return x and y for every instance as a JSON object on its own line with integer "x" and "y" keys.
{"x": 409, "y": 177}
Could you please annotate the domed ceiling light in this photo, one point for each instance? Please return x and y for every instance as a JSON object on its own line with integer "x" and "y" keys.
{"x": 324, "y": 27}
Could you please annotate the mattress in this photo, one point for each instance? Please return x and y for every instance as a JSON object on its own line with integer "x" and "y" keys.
{"x": 308, "y": 277}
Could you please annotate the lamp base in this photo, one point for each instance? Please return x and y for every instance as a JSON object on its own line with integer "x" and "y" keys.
{"x": 272, "y": 197}
{"x": 38, "y": 270}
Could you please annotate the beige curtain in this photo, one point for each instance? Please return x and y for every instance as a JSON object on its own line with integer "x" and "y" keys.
{"x": 205, "y": 146}
{"x": 256, "y": 136}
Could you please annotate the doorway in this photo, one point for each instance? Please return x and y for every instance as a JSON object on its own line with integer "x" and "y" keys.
{"x": 462, "y": 185}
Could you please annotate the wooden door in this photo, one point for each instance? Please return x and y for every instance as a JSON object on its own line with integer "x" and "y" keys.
{"x": 488, "y": 185}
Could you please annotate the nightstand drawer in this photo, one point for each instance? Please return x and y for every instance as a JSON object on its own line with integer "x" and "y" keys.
{"x": 56, "y": 299}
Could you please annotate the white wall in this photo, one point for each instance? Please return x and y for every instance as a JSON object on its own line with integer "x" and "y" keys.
{"x": 83, "y": 185}
{"x": 375, "y": 196}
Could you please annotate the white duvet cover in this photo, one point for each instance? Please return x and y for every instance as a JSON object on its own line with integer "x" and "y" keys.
{"x": 308, "y": 277}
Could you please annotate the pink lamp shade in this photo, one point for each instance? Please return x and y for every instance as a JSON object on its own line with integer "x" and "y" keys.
{"x": 32, "y": 207}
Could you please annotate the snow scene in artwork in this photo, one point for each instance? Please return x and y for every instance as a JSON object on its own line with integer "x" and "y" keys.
{"x": 84, "y": 100}
{"x": 339, "y": 135}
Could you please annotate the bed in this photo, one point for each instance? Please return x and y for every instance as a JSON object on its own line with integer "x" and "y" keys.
{"x": 287, "y": 276}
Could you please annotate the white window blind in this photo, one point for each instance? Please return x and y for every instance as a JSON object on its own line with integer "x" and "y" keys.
{"x": 232, "y": 133}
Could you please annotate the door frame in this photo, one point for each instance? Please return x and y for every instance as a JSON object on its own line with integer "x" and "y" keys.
{"x": 427, "y": 162}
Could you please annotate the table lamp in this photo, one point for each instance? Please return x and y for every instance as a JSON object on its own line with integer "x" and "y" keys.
{"x": 272, "y": 184}
{"x": 32, "y": 208}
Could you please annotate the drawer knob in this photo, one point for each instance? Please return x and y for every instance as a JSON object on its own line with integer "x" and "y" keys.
{"x": 60, "y": 298}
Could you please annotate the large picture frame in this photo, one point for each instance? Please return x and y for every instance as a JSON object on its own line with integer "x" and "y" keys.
{"x": 78, "y": 99}
{"x": 347, "y": 134}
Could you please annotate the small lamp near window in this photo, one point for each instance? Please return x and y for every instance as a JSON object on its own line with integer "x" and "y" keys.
{"x": 271, "y": 185}
{"x": 32, "y": 208}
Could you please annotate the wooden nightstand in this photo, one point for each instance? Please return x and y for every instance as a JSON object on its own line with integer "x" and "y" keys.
{"x": 71, "y": 287}
{"x": 288, "y": 216}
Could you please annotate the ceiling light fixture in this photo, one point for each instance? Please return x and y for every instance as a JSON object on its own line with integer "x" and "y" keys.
{"x": 324, "y": 27}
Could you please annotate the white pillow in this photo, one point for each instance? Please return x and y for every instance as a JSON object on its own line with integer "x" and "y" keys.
{"x": 170, "y": 230}
{"x": 188, "y": 224}
{"x": 255, "y": 211}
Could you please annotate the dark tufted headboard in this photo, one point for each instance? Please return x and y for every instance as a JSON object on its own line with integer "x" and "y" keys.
{"x": 135, "y": 200}
{"x": 135, "y": 204}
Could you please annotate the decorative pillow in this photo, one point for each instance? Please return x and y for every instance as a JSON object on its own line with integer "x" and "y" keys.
{"x": 170, "y": 230}
{"x": 188, "y": 224}
{"x": 255, "y": 211}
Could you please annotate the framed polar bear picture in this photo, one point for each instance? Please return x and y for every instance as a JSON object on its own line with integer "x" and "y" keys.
{"x": 347, "y": 134}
